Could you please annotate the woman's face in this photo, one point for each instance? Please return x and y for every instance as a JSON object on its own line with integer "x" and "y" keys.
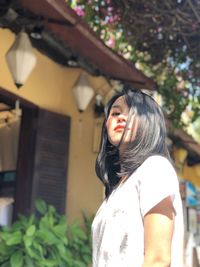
{"x": 116, "y": 123}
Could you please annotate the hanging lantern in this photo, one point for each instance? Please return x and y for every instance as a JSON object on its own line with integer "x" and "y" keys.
{"x": 21, "y": 59}
{"x": 83, "y": 92}
{"x": 181, "y": 155}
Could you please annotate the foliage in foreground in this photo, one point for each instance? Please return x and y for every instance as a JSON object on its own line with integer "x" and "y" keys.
{"x": 45, "y": 240}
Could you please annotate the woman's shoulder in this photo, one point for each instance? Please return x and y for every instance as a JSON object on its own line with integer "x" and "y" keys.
{"x": 157, "y": 164}
{"x": 156, "y": 160}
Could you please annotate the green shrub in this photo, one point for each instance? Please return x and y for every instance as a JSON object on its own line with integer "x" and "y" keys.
{"x": 45, "y": 240}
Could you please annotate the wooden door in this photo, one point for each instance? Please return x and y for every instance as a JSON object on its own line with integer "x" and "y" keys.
{"x": 43, "y": 160}
{"x": 51, "y": 159}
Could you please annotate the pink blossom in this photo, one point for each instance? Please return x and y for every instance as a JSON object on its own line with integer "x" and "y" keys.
{"x": 113, "y": 19}
{"x": 110, "y": 9}
{"x": 111, "y": 42}
{"x": 79, "y": 11}
{"x": 108, "y": 2}
{"x": 117, "y": 17}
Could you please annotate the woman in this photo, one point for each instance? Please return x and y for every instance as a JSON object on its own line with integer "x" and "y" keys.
{"x": 140, "y": 223}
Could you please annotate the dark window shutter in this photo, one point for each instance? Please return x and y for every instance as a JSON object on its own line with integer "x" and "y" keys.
{"x": 51, "y": 159}
{"x": 25, "y": 162}
{"x": 42, "y": 156}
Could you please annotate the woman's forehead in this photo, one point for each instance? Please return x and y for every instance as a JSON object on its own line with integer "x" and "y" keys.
{"x": 120, "y": 101}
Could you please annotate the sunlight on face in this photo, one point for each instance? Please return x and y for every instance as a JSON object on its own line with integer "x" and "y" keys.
{"x": 116, "y": 123}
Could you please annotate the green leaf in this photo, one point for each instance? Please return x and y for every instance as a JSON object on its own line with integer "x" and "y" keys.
{"x": 6, "y": 264}
{"x": 17, "y": 226}
{"x": 39, "y": 248}
{"x": 15, "y": 239}
{"x": 77, "y": 231}
{"x": 23, "y": 220}
{"x": 17, "y": 259}
{"x": 60, "y": 230}
{"x": 28, "y": 240}
{"x": 47, "y": 237}
{"x": 63, "y": 252}
{"x": 32, "y": 219}
{"x": 4, "y": 235}
{"x": 79, "y": 264}
{"x": 28, "y": 261}
{"x": 48, "y": 263}
{"x": 31, "y": 230}
{"x": 87, "y": 258}
{"x": 51, "y": 209}
{"x": 41, "y": 206}
{"x": 6, "y": 251}
{"x": 33, "y": 253}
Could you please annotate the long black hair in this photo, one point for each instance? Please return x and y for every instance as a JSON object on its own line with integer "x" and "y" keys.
{"x": 149, "y": 139}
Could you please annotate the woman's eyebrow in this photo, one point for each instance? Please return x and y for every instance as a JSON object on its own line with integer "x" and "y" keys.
{"x": 116, "y": 106}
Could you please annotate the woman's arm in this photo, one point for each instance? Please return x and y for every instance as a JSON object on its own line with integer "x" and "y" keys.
{"x": 158, "y": 231}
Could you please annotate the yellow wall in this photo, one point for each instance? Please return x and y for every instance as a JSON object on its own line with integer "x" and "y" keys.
{"x": 50, "y": 87}
{"x": 189, "y": 173}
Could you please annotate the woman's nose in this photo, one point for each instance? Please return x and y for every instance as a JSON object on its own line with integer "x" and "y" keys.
{"x": 121, "y": 118}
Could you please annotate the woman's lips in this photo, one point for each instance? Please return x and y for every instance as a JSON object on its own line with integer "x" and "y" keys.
{"x": 119, "y": 128}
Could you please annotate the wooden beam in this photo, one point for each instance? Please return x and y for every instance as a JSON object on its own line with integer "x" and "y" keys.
{"x": 84, "y": 42}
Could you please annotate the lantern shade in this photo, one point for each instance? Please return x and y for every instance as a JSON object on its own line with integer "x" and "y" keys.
{"x": 83, "y": 93}
{"x": 181, "y": 155}
{"x": 21, "y": 59}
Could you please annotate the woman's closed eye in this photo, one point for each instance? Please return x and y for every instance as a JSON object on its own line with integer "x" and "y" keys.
{"x": 115, "y": 113}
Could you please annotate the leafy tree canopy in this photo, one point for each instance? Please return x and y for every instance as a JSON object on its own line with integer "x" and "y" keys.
{"x": 162, "y": 39}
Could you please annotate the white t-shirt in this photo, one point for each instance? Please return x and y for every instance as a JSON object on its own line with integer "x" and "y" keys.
{"x": 117, "y": 229}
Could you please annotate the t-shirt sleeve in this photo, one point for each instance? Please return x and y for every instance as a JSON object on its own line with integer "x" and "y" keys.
{"x": 157, "y": 180}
